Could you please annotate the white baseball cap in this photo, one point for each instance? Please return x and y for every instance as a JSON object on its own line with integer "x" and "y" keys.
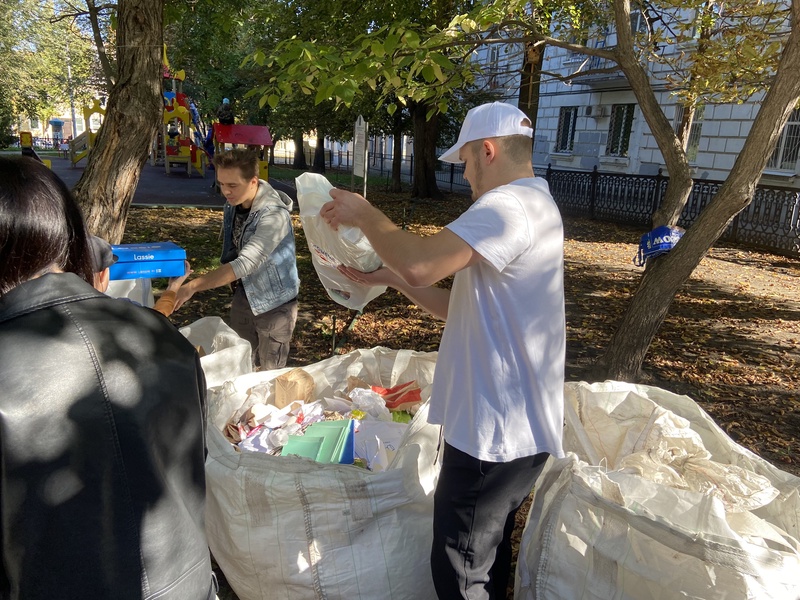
{"x": 495, "y": 119}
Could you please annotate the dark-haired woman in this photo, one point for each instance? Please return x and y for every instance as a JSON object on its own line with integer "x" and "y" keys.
{"x": 101, "y": 419}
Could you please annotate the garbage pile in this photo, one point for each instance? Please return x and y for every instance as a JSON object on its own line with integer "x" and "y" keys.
{"x": 361, "y": 424}
{"x": 284, "y": 526}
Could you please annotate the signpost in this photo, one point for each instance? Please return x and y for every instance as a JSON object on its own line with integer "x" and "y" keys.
{"x": 360, "y": 154}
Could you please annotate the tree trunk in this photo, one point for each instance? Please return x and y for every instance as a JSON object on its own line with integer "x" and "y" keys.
{"x": 397, "y": 160}
{"x": 531, "y": 81}
{"x": 680, "y": 177}
{"x": 299, "y": 161}
{"x": 133, "y": 114}
{"x": 425, "y": 163}
{"x": 319, "y": 153}
{"x": 626, "y": 351}
{"x": 272, "y": 150}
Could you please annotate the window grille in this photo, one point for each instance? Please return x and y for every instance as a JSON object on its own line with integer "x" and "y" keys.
{"x": 693, "y": 143}
{"x": 565, "y": 137}
{"x": 493, "y": 67}
{"x": 638, "y": 21}
{"x": 619, "y": 129}
{"x": 787, "y": 151}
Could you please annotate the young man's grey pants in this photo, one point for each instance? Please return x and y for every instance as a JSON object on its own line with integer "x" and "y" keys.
{"x": 269, "y": 334}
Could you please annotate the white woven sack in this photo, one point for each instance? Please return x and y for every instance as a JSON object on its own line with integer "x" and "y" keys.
{"x": 655, "y": 502}
{"x": 348, "y": 246}
{"x": 288, "y": 528}
{"x": 227, "y": 355}
{"x": 138, "y": 290}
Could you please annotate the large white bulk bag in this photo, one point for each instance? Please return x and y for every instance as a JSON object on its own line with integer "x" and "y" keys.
{"x": 655, "y": 502}
{"x": 288, "y": 528}
{"x": 226, "y": 355}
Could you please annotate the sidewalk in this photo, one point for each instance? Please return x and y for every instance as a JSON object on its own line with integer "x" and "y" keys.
{"x": 156, "y": 188}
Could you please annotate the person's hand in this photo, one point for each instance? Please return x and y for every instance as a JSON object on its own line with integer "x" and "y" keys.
{"x": 176, "y": 282}
{"x": 182, "y": 295}
{"x": 346, "y": 208}
{"x": 381, "y": 276}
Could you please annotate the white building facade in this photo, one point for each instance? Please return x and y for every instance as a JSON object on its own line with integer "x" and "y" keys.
{"x": 594, "y": 121}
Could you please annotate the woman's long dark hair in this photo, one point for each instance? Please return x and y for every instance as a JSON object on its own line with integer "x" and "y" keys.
{"x": 41, "y": 225}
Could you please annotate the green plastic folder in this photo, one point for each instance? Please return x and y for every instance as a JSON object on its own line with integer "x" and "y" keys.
{"x": 325, "y": 442}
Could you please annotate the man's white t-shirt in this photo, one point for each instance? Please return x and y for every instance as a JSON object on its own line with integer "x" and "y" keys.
{"x": 499, "y": 381}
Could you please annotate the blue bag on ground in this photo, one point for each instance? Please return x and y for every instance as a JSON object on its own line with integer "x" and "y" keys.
{"x": 659, "y": 241}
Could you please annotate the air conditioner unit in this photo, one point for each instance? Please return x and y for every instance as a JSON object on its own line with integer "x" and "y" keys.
{"x": 595, "y": 110}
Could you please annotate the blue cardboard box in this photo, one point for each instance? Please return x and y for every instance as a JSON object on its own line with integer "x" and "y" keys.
{"x": 147, "y": 261}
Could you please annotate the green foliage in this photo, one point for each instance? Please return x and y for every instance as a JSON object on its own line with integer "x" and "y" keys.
{"x": 726, "y": 52}
{"x": 208, "y": 40}
{"x": 390, "y": 64}
{"x": 35, "y": 48}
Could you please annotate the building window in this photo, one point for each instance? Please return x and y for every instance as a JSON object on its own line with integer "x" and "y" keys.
{"x": 565, "y": 137}
{"x": 638, "y": 21}
{"x": 34, "y": 123}
{"x": 581, "y": 39}
{"x": 693, "y": 142}
{"x": 787, "y": 151}
{"x": 494, "y": 67}
{"x": 619, "y": 129}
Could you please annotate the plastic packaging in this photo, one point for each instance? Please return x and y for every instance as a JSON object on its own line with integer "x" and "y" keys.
{"x": 348, "y": 246}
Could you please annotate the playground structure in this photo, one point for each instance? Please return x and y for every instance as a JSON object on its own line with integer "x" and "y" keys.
{"x": 26, "y": 145}
{"x": 81, "y": 145}
{"x": 255, "y": 137}
{"x": 177, "y": 136}
{"x": 176, "y": 141}
{"x": 179, "y": 140}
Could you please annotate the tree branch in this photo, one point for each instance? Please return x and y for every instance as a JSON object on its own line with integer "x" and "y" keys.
{"x": 108, "y": 71}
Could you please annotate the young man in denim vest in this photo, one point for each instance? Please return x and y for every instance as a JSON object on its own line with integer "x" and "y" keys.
{"x": 258, "y": 257}
{"x": 498, "y": 386}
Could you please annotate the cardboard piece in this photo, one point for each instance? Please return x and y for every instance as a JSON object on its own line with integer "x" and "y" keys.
{"x": 296, "y": 384}
{"x": 325, "y": 442}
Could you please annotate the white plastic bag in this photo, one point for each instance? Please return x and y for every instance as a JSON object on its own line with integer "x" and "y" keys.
{"x": 138, "y": 290}
{"x": 371, "y": 403}
{"x": 329, "y": 248}
{"x": 227, "y": 355}
{"x": 655, "y": 502}
{"x": 377, "y": 442}
{"x": 288, "y": 528}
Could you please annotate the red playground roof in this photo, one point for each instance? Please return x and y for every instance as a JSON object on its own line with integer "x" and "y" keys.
{"x": 249, "y": 135}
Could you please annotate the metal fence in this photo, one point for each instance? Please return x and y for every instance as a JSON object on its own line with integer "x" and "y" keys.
{"x": 449, "y": 176}
{"x": 770, "y": 221}
{"x": 39, "y": 142}
{"x": 452, "y": 175}
{"x": 378, "y": 164}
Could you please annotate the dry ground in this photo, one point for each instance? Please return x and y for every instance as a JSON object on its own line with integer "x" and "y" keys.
{"x": 731, "y": 340}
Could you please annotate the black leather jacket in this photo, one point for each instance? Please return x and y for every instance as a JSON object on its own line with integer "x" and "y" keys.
{"x": 102, "y": 448}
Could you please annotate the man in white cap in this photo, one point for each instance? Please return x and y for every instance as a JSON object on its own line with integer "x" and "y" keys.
{"x": 498, "y": 386}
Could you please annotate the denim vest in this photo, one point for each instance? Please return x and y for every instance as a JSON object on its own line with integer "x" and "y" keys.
{"x": 276, "y": 281}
